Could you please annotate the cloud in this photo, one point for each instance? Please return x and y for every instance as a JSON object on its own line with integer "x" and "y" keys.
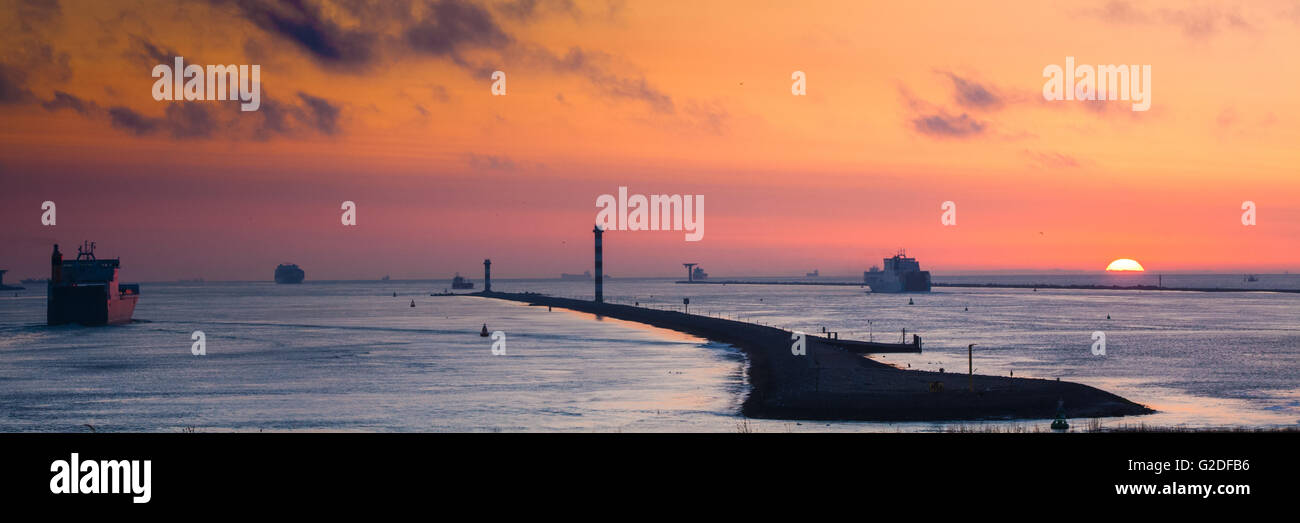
{"x": 320, "y": 113}
{"x": 938, "y": 122}
{"x": 974, "y": 95}
{"x": 64, "y": 100}
{"x": 180, "y": 121}
{"x": 440, "y": 93}
{"x": 1195, "y": 22}
{"x": 945, "y": 125}
{"x": 148, "y": 53}
{"x": 595, "y": 67}
{"x": 13, "y": 88}
{"x": 304, "y": 24}
{"x": 490, "y": 162}
{"x": 36, "y": 13}
{"x": 128, "y": 120}
{"x": 1051, "y": 159}
{"x": 711, "y": 117}
{"x": 452, "y": 25}
{"x": 198, "y": 120}
{"x": 527, "y": 9}
{"x": 355, "y": 35}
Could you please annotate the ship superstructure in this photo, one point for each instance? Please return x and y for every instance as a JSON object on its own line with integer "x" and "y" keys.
{"x": 86, "y": 290}
{"x": 289, "y": 273}
{"x": 459, "y": 282}
{"x": 901, "y": 274}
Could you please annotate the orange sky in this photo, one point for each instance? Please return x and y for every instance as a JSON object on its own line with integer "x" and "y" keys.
{"x": 660, "y": 97}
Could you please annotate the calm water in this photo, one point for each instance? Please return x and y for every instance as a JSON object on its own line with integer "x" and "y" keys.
{"x": 342, "y": 356}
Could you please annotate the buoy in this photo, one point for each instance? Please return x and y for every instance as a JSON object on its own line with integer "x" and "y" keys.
{"x": 967, "y": 309}
{"x": 1108, "y": 316}
{"x": 412, "y": 303}
{"x": 1059, "y": 423}
{"x": 910, "y": 302}
{"x": 484, "y": 332}
{"x": 394, "y": 294}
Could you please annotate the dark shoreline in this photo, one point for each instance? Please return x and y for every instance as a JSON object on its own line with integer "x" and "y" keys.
{"x": 829, "y": 383}
{"x": 1001, "y": 286}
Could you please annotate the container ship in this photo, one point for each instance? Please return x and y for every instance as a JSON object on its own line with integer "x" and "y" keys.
{"x": 4, "y": 287}
{"x": 901, "y": 274}
{"x": 86, "y": 290}
{"x": 289, "y": 273}
{"x": 460, "y": 282}
{"x": 699, "y": 274}
{"x": 586, "y": 275}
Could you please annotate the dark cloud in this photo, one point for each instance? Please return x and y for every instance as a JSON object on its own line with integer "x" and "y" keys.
{"x": 452, "y": 25}
{"x": 39, "y": 60}
{"x": 528, "y": 9}
{"x": 13, "y": 88}
{"x": 197, "y": 120}
{"x": 930, "y": 120}
{"x": 64, "y": 100}
{"x": 304, "y": 24}
{"x": 32, "y": 14}
{"x": 135, "y": 123}
{"x": 943, "y": 124}
{"x": 440, "y": 28}
{"x": 973, "y": 95}
{"x": 443, "y": 29}
{"x": 183, "y": 121}
{"x": 320, "y": 113}
{"x": 146, "y": 52}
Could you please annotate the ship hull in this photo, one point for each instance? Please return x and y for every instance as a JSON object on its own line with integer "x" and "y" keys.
{"x": 918, "y": 281}
{"x": 88, "y": 305}
{"x": 289, "y": 274}
{"x": 120, "y": 310}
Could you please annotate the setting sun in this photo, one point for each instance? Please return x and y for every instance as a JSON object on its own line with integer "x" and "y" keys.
{"x": 1124, "y": 264}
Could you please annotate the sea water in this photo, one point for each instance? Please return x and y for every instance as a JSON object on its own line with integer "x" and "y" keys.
{"x": 350, "y": 356}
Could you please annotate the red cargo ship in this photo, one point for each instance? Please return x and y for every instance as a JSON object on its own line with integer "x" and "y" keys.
{"x": 86, "y": 290}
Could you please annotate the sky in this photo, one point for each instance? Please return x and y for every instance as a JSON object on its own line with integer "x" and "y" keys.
{"x": 907, "y": 105}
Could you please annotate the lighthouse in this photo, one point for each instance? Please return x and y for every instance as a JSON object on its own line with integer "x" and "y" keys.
{"x": 487, "y": 275}
{"x": 600, "y": 265}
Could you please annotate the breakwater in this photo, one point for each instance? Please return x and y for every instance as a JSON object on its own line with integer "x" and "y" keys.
{"x": 828, "y": 382}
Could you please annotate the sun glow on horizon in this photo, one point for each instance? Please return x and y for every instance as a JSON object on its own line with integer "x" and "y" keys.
{"x": 1124, "y": 265}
